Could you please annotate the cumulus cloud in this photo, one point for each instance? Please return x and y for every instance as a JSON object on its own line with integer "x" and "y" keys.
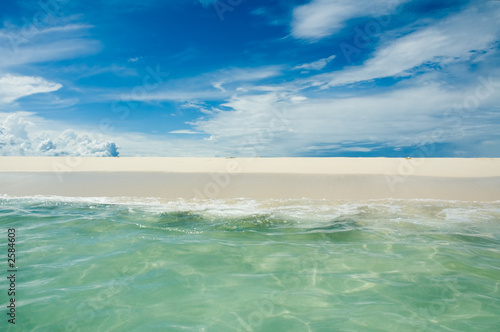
{"x": 14, "y": 87}
{"x": 17, "y": 138}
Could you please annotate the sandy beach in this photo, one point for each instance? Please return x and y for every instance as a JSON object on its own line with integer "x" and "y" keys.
{"x": 257, "y": 178}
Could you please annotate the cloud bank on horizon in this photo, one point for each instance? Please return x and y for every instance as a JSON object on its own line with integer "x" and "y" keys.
{"x": 222, "y": 78}
{"x": 17, "y": 140}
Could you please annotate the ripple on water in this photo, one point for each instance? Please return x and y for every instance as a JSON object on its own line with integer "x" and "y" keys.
{"x": 296, "y": 265}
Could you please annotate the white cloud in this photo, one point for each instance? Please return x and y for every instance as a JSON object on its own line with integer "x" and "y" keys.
{"x": 19, "y": 137}
{"x": 450, "y": 40}
{"x": 322, "y": 18}
{"x": 16, "y": 126}
{"x": 295, "y": 118}
{"x": 270, "y": 124}
{"x": 201, "y": 107}
{"x": 15, "y": 87}
{"x": 187, "y": 132}
{"x": 280, "y": 123}
{"x": 48, "y": 51}
{"x": 218, "y": 85}
{"x": 297, "y": 99}
{"x": 316, "y": 65}
{"x": 23, "y": 34}
{"x": 206, "y": 86}
{"x": 356, "y": 149}
{"x": 30, "y": 44}
{"x": 85, "y": 70}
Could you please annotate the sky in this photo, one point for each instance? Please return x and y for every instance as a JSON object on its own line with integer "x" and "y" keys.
{"x": 250, "y": 78}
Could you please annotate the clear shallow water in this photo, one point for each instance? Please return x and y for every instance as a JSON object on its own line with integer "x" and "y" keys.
{"x": 242, "y": 265}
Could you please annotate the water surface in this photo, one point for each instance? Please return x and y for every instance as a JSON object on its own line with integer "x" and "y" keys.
{"x": 243, "y": 265}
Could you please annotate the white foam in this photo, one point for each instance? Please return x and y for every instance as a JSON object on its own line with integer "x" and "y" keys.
{"x": 396, "y": 210}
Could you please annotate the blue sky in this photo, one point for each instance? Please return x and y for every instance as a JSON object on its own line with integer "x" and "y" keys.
{"x": 316, "y": 78}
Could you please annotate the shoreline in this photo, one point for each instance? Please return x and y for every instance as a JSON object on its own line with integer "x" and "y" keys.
{"x": 257, "y": 178}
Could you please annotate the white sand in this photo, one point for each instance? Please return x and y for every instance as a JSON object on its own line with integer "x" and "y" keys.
{"x": 442, "y": 167}
{"x": 330, "y": 178}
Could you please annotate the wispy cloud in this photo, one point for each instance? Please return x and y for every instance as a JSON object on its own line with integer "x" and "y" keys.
{"x": 316, "y": 65}
{"x": 322, "y": 18}
{"x": 15, "y": 87}
{"x": 456, "y": 38}
{"x": 276, "y": 126}
{"x": 295, "y": 118}
{"x": 185, "y": 132}
{"x": 19, "y": 47}
{"x": 217, "y": 85}
{"x": 84, "y": 70}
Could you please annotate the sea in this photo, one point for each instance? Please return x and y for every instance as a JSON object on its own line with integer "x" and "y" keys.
{"x": 124, "y": 264}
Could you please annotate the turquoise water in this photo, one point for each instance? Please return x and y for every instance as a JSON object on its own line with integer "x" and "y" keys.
{"x": 242, "y": 265}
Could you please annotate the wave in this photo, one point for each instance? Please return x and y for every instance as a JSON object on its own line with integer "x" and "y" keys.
{"x": 417, "y": 211}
